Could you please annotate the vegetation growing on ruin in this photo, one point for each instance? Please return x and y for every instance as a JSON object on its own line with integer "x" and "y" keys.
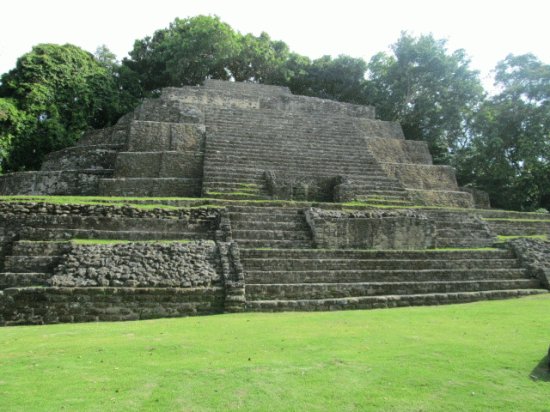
{"x": 480, "y": 356}
{"x": 502, "y": 238}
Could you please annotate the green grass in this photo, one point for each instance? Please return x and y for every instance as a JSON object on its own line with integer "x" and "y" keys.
{"x": 502, "y": 238}
{"x": 235, "y": 193}
{"x": 499, "y": 219}
{"x": 486, "y": 356}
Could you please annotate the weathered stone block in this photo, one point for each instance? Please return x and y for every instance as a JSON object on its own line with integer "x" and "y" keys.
{"x": 164, "y": 136}
{"x": 441, "y": 198}
{"x": 480, "y": 198}
{"x": 334, "y": 229}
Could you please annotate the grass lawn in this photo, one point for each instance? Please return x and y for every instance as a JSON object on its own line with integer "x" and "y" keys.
{"x": 474, "y": 357}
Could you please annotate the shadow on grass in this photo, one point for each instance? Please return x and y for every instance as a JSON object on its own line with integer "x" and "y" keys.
{"x": 541, "y": 371}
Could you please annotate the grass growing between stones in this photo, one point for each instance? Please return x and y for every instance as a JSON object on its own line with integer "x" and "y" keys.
{"x": 502, "y": 238}
{"x": 481, "y": 356}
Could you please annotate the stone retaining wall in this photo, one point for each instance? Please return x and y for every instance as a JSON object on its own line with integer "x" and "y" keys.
{"x": 195, "y": 264}
{"x": 87, "y": 304}
{"x": 535, "y": 256}
{"x": 336, "y": 229}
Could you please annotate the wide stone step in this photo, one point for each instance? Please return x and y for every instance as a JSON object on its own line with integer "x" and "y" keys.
{"x": 508, "y": 214}
{"x": 274, "y": 244}
{"x": 387, "y": 202}
{"x": 39, "y": 248}
{"x": 256, "y": 125}
{"x": 213, "y": 172}
{"x": 295, "y": 224}
{"x": 282, "y": 210}
{"x": 335, "y": 162}
{"x": 377, "y": 254}
{"x": 277, "y": 116}
{"x": 374, "y": 264}
{"x": 348, "y": 276}
{"x": 213, "y": 193}
{"x": 519, "y": 228}
{"x": 363, "y": 176}
{"x": 238, "y": 186}
{"x": 343, "y": 290}
{"x": 458, "y": 225}
{"x": 459, "y": 242}
{"x": 352, "y": 159}
{"x": 270, "y": 235}
{"x": 291, "y": 148}
{"x": 213, "y": 167}
{"x": 25, "y": 264}
{"x": 396, "y": 193}
{"x": 12, "y": 280}
{"x": 388, "y": 301}
{"x": 241, "y": 219}
{"x": 463, "y": 233}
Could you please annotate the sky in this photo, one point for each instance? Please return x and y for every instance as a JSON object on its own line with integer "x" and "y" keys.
{"x": 487, "y": 29}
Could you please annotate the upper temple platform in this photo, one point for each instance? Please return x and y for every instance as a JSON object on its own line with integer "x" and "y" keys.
{"x": 247, "y": 141}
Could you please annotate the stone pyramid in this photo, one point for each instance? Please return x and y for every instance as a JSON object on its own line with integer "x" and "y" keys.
{"x": 241, "y": 140}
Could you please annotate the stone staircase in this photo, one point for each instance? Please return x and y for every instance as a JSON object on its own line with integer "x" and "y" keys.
{"x": 283, "y": 280}
{"x": 243, "y": 144}
{"x": 460, "y": 230}
{"x": 508, "y": 223}
{"x": 31, "y": 263}
{"x": 269, "y": 227}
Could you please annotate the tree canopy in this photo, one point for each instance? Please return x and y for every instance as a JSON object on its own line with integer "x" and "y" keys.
{"x": 52, "y": 95}
{"x": 431, "y": 92}
{"x": 509, "y": 155}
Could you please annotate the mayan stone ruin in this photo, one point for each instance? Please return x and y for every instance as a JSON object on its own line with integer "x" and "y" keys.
{"x": 231, "y": 197}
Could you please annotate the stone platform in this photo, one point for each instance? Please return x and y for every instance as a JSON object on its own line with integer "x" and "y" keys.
{"x": 89, "y": 262}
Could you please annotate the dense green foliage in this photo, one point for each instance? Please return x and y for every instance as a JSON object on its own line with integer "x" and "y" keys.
{"x": 509, "y": 155}
{"x": 476, "y": 357}
{"x": 430, "y": 92}
{"x": 52, "y": 95}
{"x": 498, "y": 143}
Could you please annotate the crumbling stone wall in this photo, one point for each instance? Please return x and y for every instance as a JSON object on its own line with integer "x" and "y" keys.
{"x": 47, "y": 221}
{"x": 195, "y": 264}
{"x": 534, "y": 254}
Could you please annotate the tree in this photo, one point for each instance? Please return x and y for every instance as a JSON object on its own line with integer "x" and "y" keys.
{"x": 431, "y": 92}
{"x": 260, "y": 60}
{"x": 342, "y": 78}
{"x": 12, "y": 123}
{"x": 62, "y": 91}
{"x": 510, "y": 152}
{"x": 187, "y": 52}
